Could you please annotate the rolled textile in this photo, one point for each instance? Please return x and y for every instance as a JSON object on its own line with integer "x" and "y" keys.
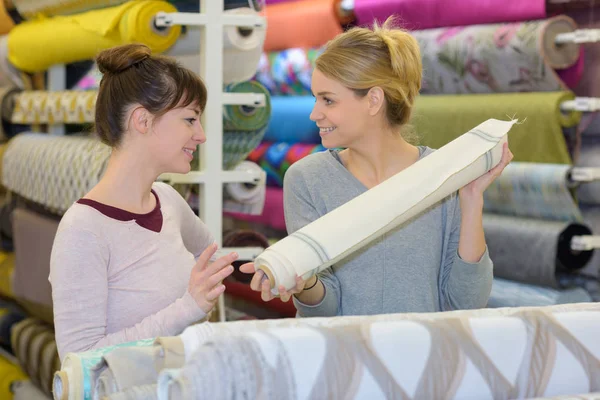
{"x": 498, "y": 58}
{"x": 7, "y": 95}
{"x": 53, "y": 171}
{"x": 44, "y": 107}
{"x": 35, "y": 348}
{"x": 144, "y": 392}
{"x": 26, "y": 390}
{"x": 538, "y": 353}
{"x": 533, "y": 190}
{"x": 591, "y": 217}
{"x": 272, "y": 215}
{"x": 7, "y": 270}
{"x": 539, "y": 138}
{"x": 589, "y": 157}
{"x": 507, "y": 293}
{"x": 288, "y": 72}
{"x": 290, "y": 121}
{"x": 9, "y": 373}
{"x": 243, "y": 126}
{"x": 589, "y": 85}
{"x": 288, "y": 25}
{"x": 9, "y": 74}
{"x": 36, "y": 45}
{"x": 177, "y": 351}
{"x": 531, "y": 250}
{"x": 10, "y": 314}
{"x": 73, "y": 381}
{"x": 6, "y": 21}
{"x": 246, "y": 198}
{"x": 276, "y": 158}
{"x": 242, "y": 47}
{"x": 425, "y": 14}
{"x": 579, "y": 396}
{"x": 353, "y": 225}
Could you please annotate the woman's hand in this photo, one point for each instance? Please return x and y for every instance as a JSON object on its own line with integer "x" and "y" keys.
{"x": 475, "y": 189}
{"x": 206, "y": 278}
{"x": 260, "y": 283}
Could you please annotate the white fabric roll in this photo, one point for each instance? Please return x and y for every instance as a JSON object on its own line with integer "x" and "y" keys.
{"x": 332, "y": 237}
{"x": 242, "y": 48}
{"x": 246, "y": 198}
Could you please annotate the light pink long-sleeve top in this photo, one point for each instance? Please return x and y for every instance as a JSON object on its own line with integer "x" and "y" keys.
{"x": 118, "y": 277}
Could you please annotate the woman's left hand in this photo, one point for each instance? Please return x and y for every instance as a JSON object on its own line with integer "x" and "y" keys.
{"x": 476, "y": 188}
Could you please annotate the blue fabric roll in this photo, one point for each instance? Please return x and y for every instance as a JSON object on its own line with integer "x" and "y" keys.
{"x": 276, "y": 154}
{"x": 290, "y": 120}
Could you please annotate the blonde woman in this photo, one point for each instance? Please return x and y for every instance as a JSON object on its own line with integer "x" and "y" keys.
{"x": 365, "y": 84}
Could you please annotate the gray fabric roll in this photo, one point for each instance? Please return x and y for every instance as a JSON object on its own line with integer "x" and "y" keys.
{"x": 588, "y": 193}
{"x": 145, "y": 392}
{"x": 591, "y": 217}
{"x": 532, "y": 250}
{"x": 123, "y": 369}
{"x": 514, "y": 294}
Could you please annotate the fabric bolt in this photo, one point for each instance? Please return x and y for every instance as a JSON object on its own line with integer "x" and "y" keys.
{"x": 145, "y": 392}
{"x": 288, "y": 72}
{"x": 272, "y": 215}
{"x": 402, "y": 197}
{"x": 74, "y": 380}
{"x": 537, "y": 138}
{"x": 176, "y": 352}
{"x": 37, "y": 44}
{"x": 246, "y": 198}
{"x": 425, "y": 14}
{"x": 539, "y": 354}
{"x": 53, "y": 171}
{"x": 588, "y": 193}
{"x": 533, "y": 190}
{"x": 587, "y": 18}
{"x": 242, "y": 48}
{"x": 35, "y": 348}
{"x": 498, "y": 58}
{"x": 26, "y": 390}
{"x": 9, "y": 373}
{"x": 9, "y": 74}
{"x": 290, "y": 122}
{"x": 7, "y": 270}
{"x": 532, "y": 250}
{"x": 43, "y": 107}
{"x": 113, "y": 373}
{"x": 591, "y": 217}
{"x": 507, "y": 293}
{"x": 285, "y": 32}
{"x": 276, "y": 158}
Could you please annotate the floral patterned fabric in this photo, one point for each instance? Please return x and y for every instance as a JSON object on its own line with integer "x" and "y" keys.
{"x": 495, "y": 58}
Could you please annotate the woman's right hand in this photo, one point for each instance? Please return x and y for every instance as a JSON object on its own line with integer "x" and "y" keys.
{"x": 206, "y": 278}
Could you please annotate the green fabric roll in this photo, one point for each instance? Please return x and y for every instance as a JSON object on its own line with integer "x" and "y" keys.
{"x": 246, "y": 118}
{"x": 538, "y": 137}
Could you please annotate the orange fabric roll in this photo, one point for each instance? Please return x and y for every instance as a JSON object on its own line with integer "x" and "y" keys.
{"x": 6, "y": 22}
{"x": 306, "y": 23}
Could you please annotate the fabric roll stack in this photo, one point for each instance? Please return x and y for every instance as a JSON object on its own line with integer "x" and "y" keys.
{"x": 268, "y": 358}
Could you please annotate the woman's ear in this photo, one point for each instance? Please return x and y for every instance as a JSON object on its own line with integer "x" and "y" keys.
{"x": 141, "y": 120}
{"x": 376, "y": 99}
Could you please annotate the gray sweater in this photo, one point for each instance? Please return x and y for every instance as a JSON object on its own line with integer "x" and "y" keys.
{"x": 413, "y": 268}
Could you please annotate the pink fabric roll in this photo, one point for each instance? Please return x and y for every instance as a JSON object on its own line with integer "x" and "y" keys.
{"x": 426, "y": 14}
{"x": 572, "y": 75}
{"x": 589, "y": 84}
{"x": 272, "y": 213}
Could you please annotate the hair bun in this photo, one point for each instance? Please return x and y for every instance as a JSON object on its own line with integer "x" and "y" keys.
{"x": 118, "y": 59}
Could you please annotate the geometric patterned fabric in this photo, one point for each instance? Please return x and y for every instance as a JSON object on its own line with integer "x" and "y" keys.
{"x": 42, "y": 107}
{"x": 53, "y": 171}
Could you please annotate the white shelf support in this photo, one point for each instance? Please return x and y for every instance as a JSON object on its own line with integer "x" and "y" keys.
{"x": 578, "y": 36}
{"x": 57, "y": 81}
{"x": 163, "y": 19}
{"x": 583, "y": 104}
{"x": 585, "y": 174}
{"x": 585, "y": 242}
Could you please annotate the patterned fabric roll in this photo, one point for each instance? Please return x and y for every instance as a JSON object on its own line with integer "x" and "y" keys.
{"x": 287, "y": 72}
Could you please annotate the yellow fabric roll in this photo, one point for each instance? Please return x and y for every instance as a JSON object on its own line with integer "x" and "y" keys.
{"x": 9, "y": 373}
{"x": 7, "y": 269}
{"x": 37, "y": 45}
